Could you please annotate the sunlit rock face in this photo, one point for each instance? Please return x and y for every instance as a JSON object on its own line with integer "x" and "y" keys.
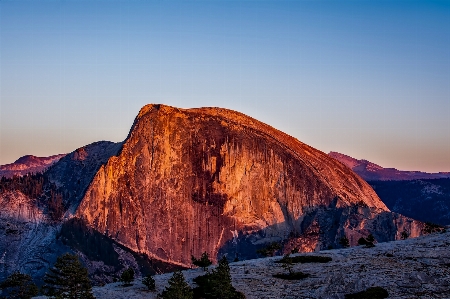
{"x": 193, "y": 180}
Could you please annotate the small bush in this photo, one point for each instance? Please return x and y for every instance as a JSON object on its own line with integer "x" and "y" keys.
{"x": 236, "y": 258}
{"x": 368, "y": 242}
{"x": 430, "y": 228}
{"x": 362, "y": 241}
{"x": 204, "y": 261}
{"x": 270, "y": 249}
{"x": 307, "y": 259}
{"x": 149, "y": 282}
{"x": 404, "y": 235}
{"x": 287, "y": 263}
{"x": 291, "y": 276}
{"x": 361, "y": 203}
{"x": 344, "y": 242}
{"x": 370, "y": 238}
{"x": 370, "y": 293}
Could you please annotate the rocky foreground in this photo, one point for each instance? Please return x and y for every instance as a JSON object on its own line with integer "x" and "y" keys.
{"x": 414, "y": 268}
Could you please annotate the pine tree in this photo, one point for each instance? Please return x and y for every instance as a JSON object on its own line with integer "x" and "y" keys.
{"x": 177, "y": 289}
{"x": 270, "y": 249}
{"x": 127, "y": 276}
{"x": 344, "y": 242}
{"x": 430, "y": 228}
{"x": 287, "y": 262}
{"x": 19, "y": 286}
{"x": 203, "y": 262}
{"x": 149, "y": 282}
{"x": 217, "y": 283}
{"x": 224, "y": 288}
{"x": 370, "y": 241}
{"x": 404, "y": 235}
{"x": 362, "y": 241}
{"x": 68, "y": 279}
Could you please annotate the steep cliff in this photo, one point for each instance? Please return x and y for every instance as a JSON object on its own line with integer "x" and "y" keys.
{"x": 193, "y": 180}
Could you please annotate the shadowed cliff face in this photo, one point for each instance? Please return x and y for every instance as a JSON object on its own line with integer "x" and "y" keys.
{"x": 73, "y": 173}
{"x": 192, "y": 180}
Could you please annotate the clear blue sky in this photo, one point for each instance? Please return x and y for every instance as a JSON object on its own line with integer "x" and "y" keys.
{"x": 366, "y": 78}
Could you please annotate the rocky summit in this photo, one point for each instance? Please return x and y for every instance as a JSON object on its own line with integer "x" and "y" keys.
{"x": 188, "y": 181}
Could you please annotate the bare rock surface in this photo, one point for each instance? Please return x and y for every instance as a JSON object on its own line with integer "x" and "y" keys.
{"x": 19, "y": 207}
{"x": 210, "y": 179}
{"x": 418, "y": 268}
{"x": 27, "y": 239}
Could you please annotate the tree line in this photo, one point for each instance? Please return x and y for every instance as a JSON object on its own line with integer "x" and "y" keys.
{"x": 38, "y": 186}
{"x": 68, "y": 279}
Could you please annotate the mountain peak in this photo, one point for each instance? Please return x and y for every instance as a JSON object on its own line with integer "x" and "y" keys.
{"x": 188, "y": 181}
{"x": 28, "y": 164}
{"x": 26, "y": 159}
{"x": 372, "y": 172}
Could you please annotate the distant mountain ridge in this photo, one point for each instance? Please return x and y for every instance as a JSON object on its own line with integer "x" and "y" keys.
{"x": 28, "y": 164}
{"x": 424, "y": 200}
{"x": 372, "y": 172}
{"x": 419, "y": 195}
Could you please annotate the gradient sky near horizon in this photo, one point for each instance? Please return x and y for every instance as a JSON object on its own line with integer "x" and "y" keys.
{"x": 370, "y": 79}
